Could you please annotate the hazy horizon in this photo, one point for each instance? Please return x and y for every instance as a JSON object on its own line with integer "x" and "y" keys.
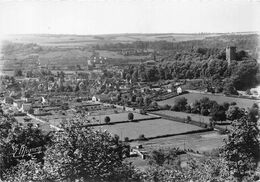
{"x": 89, "y": 17}
{"x": 155, "y": 33}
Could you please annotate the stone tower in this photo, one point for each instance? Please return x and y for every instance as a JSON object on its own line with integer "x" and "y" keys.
{"x": 230, "y": 54}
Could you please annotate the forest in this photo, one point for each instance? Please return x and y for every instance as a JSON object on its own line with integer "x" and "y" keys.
{"x": 204, "y": 59}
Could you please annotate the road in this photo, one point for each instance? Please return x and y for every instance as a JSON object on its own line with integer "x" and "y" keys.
{"x": 42, "y": 121}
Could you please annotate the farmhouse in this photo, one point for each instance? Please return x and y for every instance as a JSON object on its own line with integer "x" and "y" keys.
{"x": 88, "y": 106}
{"x": 94, "y": 99}
{"x": 179, "y": 90}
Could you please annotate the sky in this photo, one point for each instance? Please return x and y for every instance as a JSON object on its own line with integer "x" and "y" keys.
{"x": 128, "y": 16}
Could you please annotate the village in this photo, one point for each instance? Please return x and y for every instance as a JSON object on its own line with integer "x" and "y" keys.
{"x": 107, "y": 98}
{"x": 151, "y": 101}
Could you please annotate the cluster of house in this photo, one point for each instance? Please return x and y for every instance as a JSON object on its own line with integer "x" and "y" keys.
{"x": 134, "y": 52}
{"x": 126, "y": 91}
{"x": 96, "y": 62}
{"x": 22, "y": 104}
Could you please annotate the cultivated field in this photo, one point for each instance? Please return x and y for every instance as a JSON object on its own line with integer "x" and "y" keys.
{"x": 150, "y": 128}
{"x": 82, "y": 40}
{"x": 191, "y": 97}
{"x": 195, "y": 117}
{"x": 198, "y": 142}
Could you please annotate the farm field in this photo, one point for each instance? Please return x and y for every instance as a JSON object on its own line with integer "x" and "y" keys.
{"x": 115, "y": 55}
{"x": 195, "y": 117}
{"x": 191, "y": 97}
{"x": 119, "y": 117}
{"x": 81, "y": 40}
{"x": 56, "y": 119}
{"x": 202, "y": 142}
{"x": 150, "y": 128}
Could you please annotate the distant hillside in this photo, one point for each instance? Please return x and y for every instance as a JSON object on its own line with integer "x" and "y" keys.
{"x": 84, "y": 40}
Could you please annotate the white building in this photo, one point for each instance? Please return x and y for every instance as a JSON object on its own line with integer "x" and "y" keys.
{"x": 94, "y": 99}
{"x": 179, "y": 90}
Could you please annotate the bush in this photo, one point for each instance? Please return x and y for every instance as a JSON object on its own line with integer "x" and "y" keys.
{"x": 165, "y": 107}
{"x": 204, "y": 112}
{"x": 126, "y": 139}
{"x": 142, "y": 137}
{"x": 107, "y": 119}
{"x": 175, "y": 108}
{"x": 181, "y": 103}
{"x": 233, "y": 103}
{"x": 130, "y": 116}
{"x": 188, "y": 119}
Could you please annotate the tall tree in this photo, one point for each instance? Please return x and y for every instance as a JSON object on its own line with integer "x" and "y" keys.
{"x": 242, "y": 151}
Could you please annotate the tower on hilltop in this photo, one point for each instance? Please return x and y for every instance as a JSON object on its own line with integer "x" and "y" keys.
{"x": 230, "y": 54}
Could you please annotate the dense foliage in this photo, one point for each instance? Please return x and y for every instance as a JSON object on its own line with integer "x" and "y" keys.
{"x": 13, "y": 140}
{"x": 77, "y": 153}
{"x": 214, "y": 70}
{"x": 242, "y": 149}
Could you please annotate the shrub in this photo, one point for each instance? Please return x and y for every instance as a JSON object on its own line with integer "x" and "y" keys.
{"x": 204, "y": 112}
{"x": 165, "y": 107}
{"x": 188, "y": 119}
{"x": 181, "y": 103}
{"x": 175, "y": 108}
{"x": 130, "y": 116}
{"x": 126, "y": 139}
{"x": 141, "y": 137}
{"x": 107, "y": 119}
{"x": 233, "y": 103}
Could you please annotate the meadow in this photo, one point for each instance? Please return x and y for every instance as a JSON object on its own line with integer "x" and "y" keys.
{"x": 203, "y": 142}
{"x": 57, "y": 118}
{"x": 195, "y": 117}
{"x": 191, "y": 97}
{"x": 149, "y": 128}
{"x": 83, "y": 40}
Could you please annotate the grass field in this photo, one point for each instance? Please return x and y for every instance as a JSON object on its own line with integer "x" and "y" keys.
{"x": 57, "y": 118}
{"x": 191, "y": 97}
{"x": 81, "y": 40}
{"x": 198, "y": 142}
{"x": 195, "y": 117}
{"x": 118, "y": 117}
{"x": 150, "y": 128}
{"x": 115, "y": 55}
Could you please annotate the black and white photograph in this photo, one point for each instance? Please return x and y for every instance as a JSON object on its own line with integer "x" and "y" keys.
{"x": 129, "y": 91}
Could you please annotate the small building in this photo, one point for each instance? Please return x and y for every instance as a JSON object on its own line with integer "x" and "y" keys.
{"x": 179, "y": 90}
{"x": 169, "y": 90}
{"x": 88, "y": 106}
{"x": 94, "y": 99}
